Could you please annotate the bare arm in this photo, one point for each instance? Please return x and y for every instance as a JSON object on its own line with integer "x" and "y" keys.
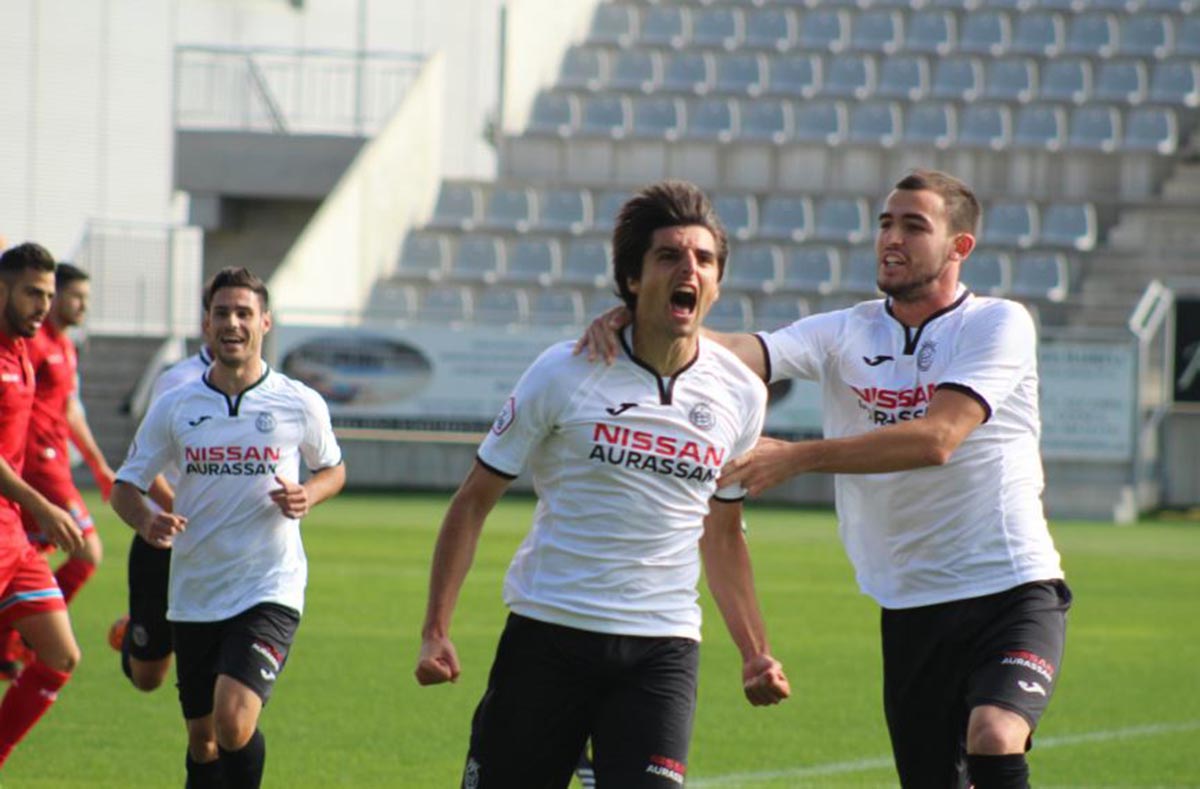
{"x": 296, "y": 500}
{"x": 452, "y": 557}
{"x": 929, "y": 441}
{"x": 81, "y": 436}
{"x": 56, "y": 524}
{"x": 731, "y": 581}
{"x": 156, "y": 528}
{"x": 161, "y": 493}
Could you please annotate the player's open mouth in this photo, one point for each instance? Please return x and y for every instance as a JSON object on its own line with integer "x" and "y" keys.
{"x": 683, "y": 301}
{"x": 892, "y": 261}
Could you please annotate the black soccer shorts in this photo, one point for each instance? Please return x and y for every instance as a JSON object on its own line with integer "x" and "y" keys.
{"x": 551, "y": 687}
{"x": 941, "y": 661}
{"x": 149, "y": 632}
{"x": 251, "y": 647}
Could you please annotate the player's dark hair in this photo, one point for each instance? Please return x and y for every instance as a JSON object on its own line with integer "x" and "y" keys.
{"x": 66, "y": 273}
{"x": 235, "y": 277}
{"x": 664, "y": 204}
{"x": 25, "y": 256}
{"x": 962, "y": 207}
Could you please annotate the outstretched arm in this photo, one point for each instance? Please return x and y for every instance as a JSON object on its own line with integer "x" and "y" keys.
{"x": 929, "y": 441}
{"x": 731, "y": 581}
{"x": 452, "y": 557}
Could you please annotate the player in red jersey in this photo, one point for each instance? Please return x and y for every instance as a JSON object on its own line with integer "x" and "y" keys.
{"x": 30, "y": 600}
{"x": 58, "y": 418}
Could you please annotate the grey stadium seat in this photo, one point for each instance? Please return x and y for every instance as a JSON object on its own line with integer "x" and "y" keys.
{"x": 824, "y": 30}
{"x": 985, "y": 33}
{"x": 797, "y": 75}
{"x": 877, "y": 31}
{"x": 987, "y": 273}
{"x": 1010, "y": 79}
{"x": 778, "y": 310}
{"x": 1176, "y": 82}
{"x": 740, "y": 73}
{"x": 1151, "y": 129}
{"x": 716, "y": 27}
{"x": 1066, "y": 79}
{"x": 1010, "y": 223}
{"x": 663, "y": 26}
{"x": 958, "y": 77}
{"x": 765, "y": 120}
{"x": 1040, "y": 275}
{"x": 753, "y": 267}
{"x": 607, "y": 205}
{"x": 786, "y": 218}
{"x": 425, "y": 255}
{"x": 848, "y": 75}
{"x": 444, "y": 304}
{"x": 477, "y": 258}
{"x": 712, "y": 119}
{"x": 1042, "y": 126}
{"x": 731, "y": 313}
{"x": 903, "y": 77}
{"x": 1187, "y": 36}
{"x": 391, "y": 300}
{"x": 930, "y": 32}
{"x": 564, "y": 209}
{"x": 821, "y": 121}
{"x": 985, "y": 126}
{"x": 769, "y": 28}
{"x": 605, "y": 115}
{"x": 583, "y": 68}
{"x": 555, "y": 307}
{"x": 658, "y": 117}
{"x": 930, "y": 123}
{"x": 586, "y": 262}
{"x": 1091, "y": 34}
{"x": 634, "y": 70}
{"x": 1070, "y": 225}
{"x": 510, "y": 208}
{"x": 738, "y": 213}
{"x": 554, "y": 113}
{"x": 614, "y": 25}
{"x": 845, "y": 220}
{"x": 1038, "y": 33}
{"x": 860, "y": 272}
{"x": 532, "y": 259}
{"x": 810, "y": 269}
{"x": 875, "y": 123}
{"x": 1145, "y": 35}
{"x": 687, "y": 72}
{"x": 1121, "y": 80}
{"x": 499, "y": 306}
{"x": 458, "y": 206}
{"x": 1095, "y": 127}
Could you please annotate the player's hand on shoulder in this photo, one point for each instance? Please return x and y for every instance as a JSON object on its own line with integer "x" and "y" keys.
{"x": 600, "y": 337}
{"x": 291, "y": 498}
{"x": 438, "y": 662}
{"x": 764, "y": 682}
{"x": 769, "y": 463}
{"x": 59, "y": 527}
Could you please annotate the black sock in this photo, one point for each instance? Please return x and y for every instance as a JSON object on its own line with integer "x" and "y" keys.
{"x": 244, "y": 767}
{"x": 1009, "y": 771}
{"x": 204, "y": 776}
{"x": 125, "y": 642}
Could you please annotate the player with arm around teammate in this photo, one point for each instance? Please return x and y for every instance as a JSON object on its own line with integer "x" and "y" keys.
{"x": 931, "y": 427}
{"x": 603, "y": 631}
{"x": 238, "y": 569}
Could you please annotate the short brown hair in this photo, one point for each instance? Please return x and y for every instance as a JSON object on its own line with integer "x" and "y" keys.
{"x": 962, "y": 207}
{"x": 664, "y": 204}
{"x": 235, "y": 277}
{"x": 25, "y": 256}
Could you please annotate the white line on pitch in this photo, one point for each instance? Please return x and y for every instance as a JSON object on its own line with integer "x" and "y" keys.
{"x": 860, "y": 765}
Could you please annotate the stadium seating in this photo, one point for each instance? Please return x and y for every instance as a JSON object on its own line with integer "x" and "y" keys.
{"x": 664, "y": 26}
{"x": 769, "y": 28}
{"x": 586, "y": 263}
{"x": 1010, "y": 223}
{"x": 987, "y": 273}
{"x": 458, "y": 206}
{"x": 786, "y": 218}
{"x": 444, "y": 304}
{"x": 904, "y": 77}
{"x": 510, "y": 208}
{"x": 794, "y": 75}
{"x": 810, "y": 269}
{"x": 532, "y": 260}
{"x": 931, "y": 32}
{"x": 425, "y": 255}
{"x": 779, "y": 310}
{"x": 555, "y": 307}
{"x": 753, "y": 267}
{"x": 564, "y": 210}
{"x": 1040, "y": 276}
{"x": 500, "y": 306}
{"x": 478, "y": 257}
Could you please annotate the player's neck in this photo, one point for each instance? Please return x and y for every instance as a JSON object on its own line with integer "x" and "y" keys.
{"x": 665, "y": 355}
{"x": 915, "y": 312}
{"x": 233, "y": 379}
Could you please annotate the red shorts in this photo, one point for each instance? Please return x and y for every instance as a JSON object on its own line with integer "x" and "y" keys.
{"x": 27, "y": 586}
{"x": 61, "y": 493}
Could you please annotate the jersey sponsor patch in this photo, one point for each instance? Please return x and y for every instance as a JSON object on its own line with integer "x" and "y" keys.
{"x": 506, "y": 417}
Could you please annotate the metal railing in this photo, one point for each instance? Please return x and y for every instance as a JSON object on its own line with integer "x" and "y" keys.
{"x": 146, "y": 277}
{"x": 290, "y": 91}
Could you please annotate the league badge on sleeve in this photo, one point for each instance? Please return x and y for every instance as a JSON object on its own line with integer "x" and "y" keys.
{"x": 507, "y": 415}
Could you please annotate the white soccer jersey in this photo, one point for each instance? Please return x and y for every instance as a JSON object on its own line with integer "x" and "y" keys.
{"x": 624, "y": 463}
{"x": 972, "y": 527}
{"x": 238, "y": 549}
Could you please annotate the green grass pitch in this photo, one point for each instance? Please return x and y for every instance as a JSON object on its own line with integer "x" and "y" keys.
{"x": 347, "y": 711}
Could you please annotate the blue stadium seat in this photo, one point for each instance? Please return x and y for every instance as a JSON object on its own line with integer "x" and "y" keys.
{"x": 985, "y": 33}
{"x": 1146, "y": 35}
{"x": 477, "y": 258}
{"x": 1070, "y": 225}
{"x": 1041, "y": 126}
{"x": 778, "y": 310}
{"x": 786, "y": 218}
{"x": 1010, "y": 223}
{"x": 1010, "y": 79}
{"x": 1176, "y": 82}
{"x": 985, "y": 126}
{"x": 903, "y": 77}
{"x": 499, "y": 306}
{"x": 1038, "y": 34}
{"x": 458, "y": 206}
{"x": 821, "y": 121}
{"x": 554, "y": 114}
{"x": 583, "y": 68}
{"x": 564, "y": 210}
{"x": 634, "y": 70}
{"x": 663, "y": 26}
{"x": 598, "y": 300}
{"x": 860, "y": 272}
{"x": 739, "y": 214}
{"x": 930, "y": 123}
{"x": 532, "y": 260}
{"x": 1095, "y": 127}
{"x": 613, "y": 25}
{"x": 425, "y": 255}
{"x": 444, "y": 304}
{"x": 731, "y": 313}
{"x": 712, "y": 119}
{"x": 753, "y": 267}
{"x": 391, "y": 300}
{"x": 958, "y": 77}
{"x": 1151, "y": 129}
{"x": 740, "y": 73}
{"x": 1187, "y": 36}
{"x": 770, "y": 28}
{"x": 824, "y": 30}
{"x": 716, "y": 27}
{"x": 586, "y": 263}
{"x": 687, "y": 72}
{"x": 810, "y": 269}
{"x": 987, "y": 273}
{"x": 845, "y": 220}
{"x": 555, "y": 307}
{"x": 658, "y": 117}
{"x": 877, "y": 123}
{"x": 931, "y": 32}
{"x": 1041, "y": 276}
{"x": 1066, "y": 79}
{"x": 510, "y": 208}
{"x": 765, "y": 120}
{"x": 1092, "y": 34}
{"x": 849, "y": 75}
{"x": 795, "y": 75}
{"x": 877, "y": 31}
{"x": 607, "y": 205}
{"x": 605, "y": 115}
{"x": 1121, "y": 80}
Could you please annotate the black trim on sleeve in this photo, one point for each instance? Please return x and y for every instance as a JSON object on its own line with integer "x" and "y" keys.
{"x": 132, "y": 485}
{"x": 766, "y": 358}
{"x": 730, "y": 501}
{"x": 969, "y": 392}
{"x": 495, "y": 470}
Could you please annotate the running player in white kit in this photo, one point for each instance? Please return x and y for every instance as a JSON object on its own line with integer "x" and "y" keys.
{"x": 603, "y": 635}
{"x": 931, "y": 425}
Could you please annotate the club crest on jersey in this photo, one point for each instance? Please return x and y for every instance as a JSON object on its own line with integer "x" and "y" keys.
{"x": 925, "y": 355}
{"x": 702, "y": 416}
{"x": 265, "y": 423}
{"x": 507, "y": 415}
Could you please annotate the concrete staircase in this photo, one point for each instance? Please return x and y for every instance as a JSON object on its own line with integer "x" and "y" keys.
{"x": 109, "y": 369}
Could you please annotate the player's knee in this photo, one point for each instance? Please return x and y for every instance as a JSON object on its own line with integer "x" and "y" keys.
{"x": 147, "y": 678}
{"x": 64, "y": 658}
{"x": 995, "y": 731}
{"x": 234, "y": 731}
{"x": 202, "y": 746}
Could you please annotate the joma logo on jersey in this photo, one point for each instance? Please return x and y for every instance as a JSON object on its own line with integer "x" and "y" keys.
{"x": 895, "y": 398}
{"x": 230, "y": 453}
{"x": 665, "y": 446}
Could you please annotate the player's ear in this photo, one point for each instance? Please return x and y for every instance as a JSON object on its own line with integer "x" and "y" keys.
{"x": 964, "y": 244}
{"x": 266, "y": 321}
